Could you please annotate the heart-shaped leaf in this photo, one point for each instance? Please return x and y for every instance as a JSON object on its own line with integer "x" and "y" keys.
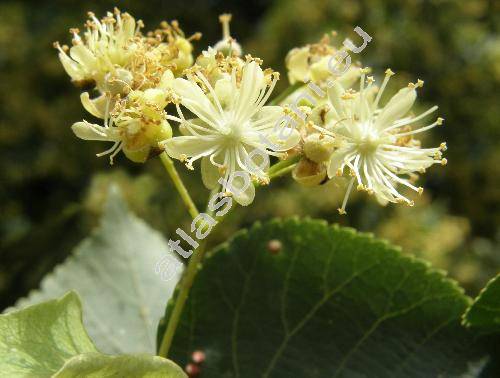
{"x": 95, "y": 365}
{"x": 37, "y": 341}
{"x": 124, "y": 273}
{"x": 49, "y": 340}
{"x": 304, "y": 299}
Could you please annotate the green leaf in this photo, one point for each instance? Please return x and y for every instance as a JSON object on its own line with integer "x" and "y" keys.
{"x": 484, "y": 313}
{"x": 114, "y": 272}
{"x": 329, "y": 302}
{"x": 38, "y": 340}
{"x": 95, "y": 365}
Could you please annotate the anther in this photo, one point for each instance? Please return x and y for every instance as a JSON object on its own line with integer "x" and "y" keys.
{"x": 389, "y": 72}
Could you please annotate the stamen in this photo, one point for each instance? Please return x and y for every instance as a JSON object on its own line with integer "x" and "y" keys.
{"x": 388, "y": 74}
{"x": 411, "y": 120}
{"x": 438, "y": 122}
{"x": 346, "y": 197}
{"x": 225, "y": 19}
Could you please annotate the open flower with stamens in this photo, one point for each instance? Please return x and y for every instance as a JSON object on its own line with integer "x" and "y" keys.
{"x": 234, "y": 131}
{"x": 135, "y": 125}
{"x": 107, "y": 45}
{"x": 377, "y": 145}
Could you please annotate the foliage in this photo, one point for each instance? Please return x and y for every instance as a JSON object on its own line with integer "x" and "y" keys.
{"x": 48, "y": 339}
{"x": 114, "y": 272}
{"x": 285, "y": 297}
{"x": 329, "y": 301}
{"x": 484, "y": 314}
{"x": 41, "y": 338}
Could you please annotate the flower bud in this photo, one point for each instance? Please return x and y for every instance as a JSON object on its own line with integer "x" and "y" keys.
{"x": 185, "y": 57}
{"x": 297, "y": 64}
{"x": 309, "y": 173}
{"x": 318, "y": 147}
{"x": 162, "y": 132}
{"x": 320, "y": 70}
{"x": 137, "y": 156}
{"x": 137, "y": 146}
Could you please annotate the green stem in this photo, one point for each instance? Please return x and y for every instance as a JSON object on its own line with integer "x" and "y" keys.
{"x": 179, "y": 185}
{"x": 283, "y": 171}
{"x": 283, "y": 164}
{"x": 183, "y": 288}
{"x": 187, "y": 280}
{"x": 287, "y": 92}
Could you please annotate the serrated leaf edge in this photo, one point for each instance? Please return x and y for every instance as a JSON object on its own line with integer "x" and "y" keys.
{"x": 465, "y": 322}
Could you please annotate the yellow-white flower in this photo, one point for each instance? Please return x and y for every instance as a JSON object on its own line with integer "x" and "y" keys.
{"x": 106, "y": 45}
{"x": 232, "y": 126}
{"x": 376, "y": 144}
{"x": 135, "y": 125}
{"x": 312, "y": 63}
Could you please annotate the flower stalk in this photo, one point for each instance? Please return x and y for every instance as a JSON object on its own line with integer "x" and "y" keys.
{"x": 183, "y": 288}
{"x": 179, "y": 185}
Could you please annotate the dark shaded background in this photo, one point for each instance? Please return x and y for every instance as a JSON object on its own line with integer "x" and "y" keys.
{"x": 52, "y": 186}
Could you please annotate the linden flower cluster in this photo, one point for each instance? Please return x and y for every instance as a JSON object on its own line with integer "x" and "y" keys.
{"x": 228, "y": 96}
{"x": 348, "y": 132}
{"x": 225, "y": 124}
{"x": 131, "y": 74}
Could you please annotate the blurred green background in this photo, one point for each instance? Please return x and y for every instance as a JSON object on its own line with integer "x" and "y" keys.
{"x": 52, "y": 185}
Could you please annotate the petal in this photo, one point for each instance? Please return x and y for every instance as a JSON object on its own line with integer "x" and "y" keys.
{"x": 72, "y": 68}
{"x": 167, "y": 80}
{"x": 83, "y": 55}
{"x": 254, "y": 161}
{"x": 271, "y": 113}
{"x": 320, "y": 70}
{"x": 190, "y": 146}
{"x": 96, "y": 106}
{"x": 224, "y": 90}
{"x": 209, "y": 173}
{"x": 89, "y": 131}
{"x": 251, "y": 84}
{"x": 193, "y": 98}
{"x": 396, "y": 108}
{"x": 336, "y": 161}
{"x": 243, "y": 192}
{"x": 348, "y": 79}
{"x": 334, "y": 96}
{"x": 284, "y": 139}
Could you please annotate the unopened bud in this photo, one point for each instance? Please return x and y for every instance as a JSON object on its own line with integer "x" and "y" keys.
{"x": 309, "y": 173}
{"x": 318, "y": 147}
